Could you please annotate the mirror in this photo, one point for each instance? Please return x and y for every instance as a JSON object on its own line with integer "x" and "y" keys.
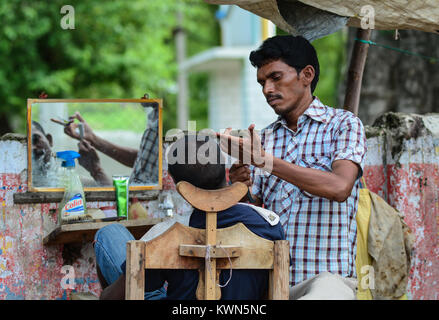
{"x": 114, "y": 137}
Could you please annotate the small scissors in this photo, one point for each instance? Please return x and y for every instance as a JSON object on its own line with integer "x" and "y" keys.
{"x": 65, "y": 123}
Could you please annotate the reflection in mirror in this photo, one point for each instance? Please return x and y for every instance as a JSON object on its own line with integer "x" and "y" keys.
{"x": 113, "y": 137}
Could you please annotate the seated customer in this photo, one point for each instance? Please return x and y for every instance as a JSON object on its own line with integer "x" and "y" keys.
{"x": 207, "y": 171}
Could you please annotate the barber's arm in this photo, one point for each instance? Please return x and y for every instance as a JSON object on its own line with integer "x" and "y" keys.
{"x": 335, "y": 185}
{"x": 90, "y": 161}
{"x": 124, "y": 155}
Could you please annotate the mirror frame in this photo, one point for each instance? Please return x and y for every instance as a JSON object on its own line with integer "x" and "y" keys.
{"x": 30, "y": 101}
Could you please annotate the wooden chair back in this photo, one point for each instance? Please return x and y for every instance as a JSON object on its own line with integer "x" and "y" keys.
{"x": 209, "y": 250}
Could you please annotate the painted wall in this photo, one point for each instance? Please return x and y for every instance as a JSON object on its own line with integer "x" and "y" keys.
{"x": 401, "y": 166}
{"x": 28, "y": 269}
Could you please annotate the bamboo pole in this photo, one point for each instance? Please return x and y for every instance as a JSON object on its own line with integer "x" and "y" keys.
{"x": 355, "y": 72}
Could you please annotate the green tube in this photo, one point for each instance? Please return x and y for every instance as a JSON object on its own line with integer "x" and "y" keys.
{"x": 121, "y": 185}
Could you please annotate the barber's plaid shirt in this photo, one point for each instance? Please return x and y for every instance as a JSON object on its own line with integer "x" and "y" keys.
{"x": 146, "y": 166}
{"x": 322, "y": 233}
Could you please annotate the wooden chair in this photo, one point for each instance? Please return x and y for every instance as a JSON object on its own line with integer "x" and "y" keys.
{"x": 183, "y": 247}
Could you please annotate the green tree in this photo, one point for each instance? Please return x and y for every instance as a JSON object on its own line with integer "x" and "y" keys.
{"x": 118, "y": 49}
{"x": 332, "y": 60}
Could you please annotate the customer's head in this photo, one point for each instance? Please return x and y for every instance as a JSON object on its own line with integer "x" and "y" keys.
{"x": 42, "y": 143}
{"x": 197, "y": 159}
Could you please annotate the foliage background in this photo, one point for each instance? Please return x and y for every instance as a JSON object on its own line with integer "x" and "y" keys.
{"x": 118, "y": 49}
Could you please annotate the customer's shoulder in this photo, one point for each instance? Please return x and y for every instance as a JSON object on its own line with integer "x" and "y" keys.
{"x": 240, "y": 208}
{"x": 243, "y": 213}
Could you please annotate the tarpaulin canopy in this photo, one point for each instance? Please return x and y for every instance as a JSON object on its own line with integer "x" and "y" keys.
{"x": 316, "y": 18}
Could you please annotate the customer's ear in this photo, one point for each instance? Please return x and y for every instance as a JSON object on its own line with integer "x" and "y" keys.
{"x": 49, "y": 138}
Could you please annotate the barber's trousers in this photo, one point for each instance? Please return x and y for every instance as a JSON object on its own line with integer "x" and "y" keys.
{"x": 325, "y": 286}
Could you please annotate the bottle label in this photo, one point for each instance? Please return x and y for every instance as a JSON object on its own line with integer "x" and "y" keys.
{"x": 74, "y": 206}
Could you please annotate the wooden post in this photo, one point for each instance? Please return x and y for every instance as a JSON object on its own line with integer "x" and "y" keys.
{"x": 355, "y": 72}
{"x": 135, "y": 271}
{"x": 210, "y": 277}
{"x": 278, "y": 288}
{"x": 182, "y": 96}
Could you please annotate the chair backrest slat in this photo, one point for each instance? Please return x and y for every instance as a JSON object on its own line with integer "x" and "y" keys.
{"x": 163, "y": 252}
{"x": 251, "y": 251}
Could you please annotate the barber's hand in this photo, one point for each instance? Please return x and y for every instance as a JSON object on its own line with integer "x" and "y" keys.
{"x": 240, "y": 172}
{"x": 247, "y": 150}
{"x": 73, "y": 128}
{"x": 89, "y": 158}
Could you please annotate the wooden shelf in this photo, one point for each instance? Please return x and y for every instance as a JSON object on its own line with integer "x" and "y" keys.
{"x": 85, "y": 231}
{"x": 56, "y": 197}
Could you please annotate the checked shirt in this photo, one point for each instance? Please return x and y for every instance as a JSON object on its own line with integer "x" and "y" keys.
{"x": 322, "y": 233}
{"x": 146, "y": 166}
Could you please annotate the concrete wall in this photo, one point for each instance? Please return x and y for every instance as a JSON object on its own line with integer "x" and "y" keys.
{"x": 401, "y": 165}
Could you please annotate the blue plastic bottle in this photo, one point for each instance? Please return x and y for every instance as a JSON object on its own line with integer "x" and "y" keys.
{"x": 72, "y": 207}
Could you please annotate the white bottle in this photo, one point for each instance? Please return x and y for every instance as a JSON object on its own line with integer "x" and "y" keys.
{"x": 72, "y": 207}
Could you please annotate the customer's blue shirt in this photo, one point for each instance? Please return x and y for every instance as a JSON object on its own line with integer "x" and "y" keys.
{"x": 244, "y": 284}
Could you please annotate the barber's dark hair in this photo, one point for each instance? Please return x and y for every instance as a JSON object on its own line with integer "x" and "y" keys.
{"x": 205, "y": 169}
{"x": 38, "y": 126}
{"x": 295, "y": 51}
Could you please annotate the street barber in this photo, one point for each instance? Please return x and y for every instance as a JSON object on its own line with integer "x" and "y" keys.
{"x": 305, "y": 167}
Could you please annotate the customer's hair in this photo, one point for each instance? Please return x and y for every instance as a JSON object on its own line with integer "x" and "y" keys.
{"x": 295, "y": 51}
{"x": 38, "y": 126}
{"x": 197, "y": 162}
